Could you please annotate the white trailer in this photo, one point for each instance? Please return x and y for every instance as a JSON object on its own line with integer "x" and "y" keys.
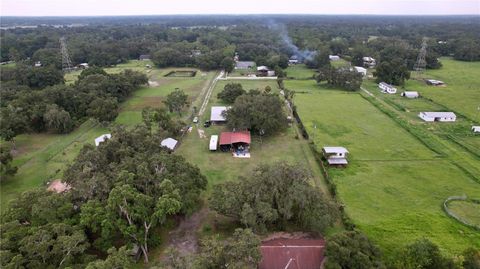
{"x": 213, "y": 142}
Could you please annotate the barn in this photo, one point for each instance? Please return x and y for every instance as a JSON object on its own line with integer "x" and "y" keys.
{"x": 438, "y": 116}
{"x": 284, "y": 253}
{"x": 410, "y": 94}
{"x": 387, "y": 88}
{"x": 236, "y": 142}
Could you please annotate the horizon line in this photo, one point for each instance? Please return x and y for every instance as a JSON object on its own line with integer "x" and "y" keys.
{"x": 237, "y": 14}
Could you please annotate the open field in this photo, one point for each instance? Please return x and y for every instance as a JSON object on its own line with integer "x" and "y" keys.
{"x": 43, "y": 157}
{"x": 300, "y": 71}
{"x": 466, "y": 210}
{"x": 394, "y": 186}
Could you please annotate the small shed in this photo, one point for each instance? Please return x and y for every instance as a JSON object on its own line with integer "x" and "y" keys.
{"x": 213, "y": 142}
{"x": 83, "y": 65}
{"x": 217, "y": 114}
{"x": 293, "y": 60}
{"x": 335, "y": 155}
{"x": 476, "y": 129}
{"x": 361, "y": 70}
{"x": 434, "y": 82}
{"x": 283, "y": 253}
{"x": 387, "y": 88}
{"x": 410, "y": 94}
{"x": 438, "y": 116}
{"x": 244, "y": 64}
{"x": 169, "y": 143}
{"x": 334, "y": 57}
{"x": 102, "y": 138}
{"x": 144, "y": 57}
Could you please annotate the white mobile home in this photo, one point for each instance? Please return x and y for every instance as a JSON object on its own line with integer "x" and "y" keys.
{"x": 476, "y": 129}
{"x": 410, "y": 94}
{"x": 335, "y": 155}
{"x": 438, "y": 116}
{"x": 213, "y": 142}
{"x": 387, "y": 88}
{"x": 102, "y": 138}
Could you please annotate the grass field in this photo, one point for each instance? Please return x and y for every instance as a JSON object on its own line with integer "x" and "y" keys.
{"x": 394, "y": 186}
{"x": 43, "y": 157}
{"x": 300, "y": 71}
{"x": 466, "y": 210}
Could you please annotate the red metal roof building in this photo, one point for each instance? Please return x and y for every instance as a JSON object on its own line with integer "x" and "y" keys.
{"x": 230, "y": 138}
{"x": 292, "y": 254}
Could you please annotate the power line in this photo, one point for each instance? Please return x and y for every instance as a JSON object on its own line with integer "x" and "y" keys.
{"x": 66, "y": 62}
{"x": 421, "y": 63}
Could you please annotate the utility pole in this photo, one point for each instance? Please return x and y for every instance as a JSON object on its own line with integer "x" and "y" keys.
{"x": 66, "y": 62}
{"x": 421, "y": 63}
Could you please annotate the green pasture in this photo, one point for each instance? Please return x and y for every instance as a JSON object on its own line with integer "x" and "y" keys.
{"x": 466, "y": 210}
{"x": 300, "y": 71}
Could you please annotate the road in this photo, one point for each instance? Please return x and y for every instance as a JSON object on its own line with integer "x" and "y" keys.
{"x": 209, "y": 93}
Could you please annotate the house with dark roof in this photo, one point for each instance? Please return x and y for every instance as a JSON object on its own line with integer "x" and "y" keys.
{"x": 244, "y": 64}
{"x": 144, "y": 57}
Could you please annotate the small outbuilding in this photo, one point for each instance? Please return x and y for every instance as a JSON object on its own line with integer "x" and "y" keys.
{"x": 102, "y": 139}
{"x": 169, "y": 143}
{"x": 361, "y": 70}
{"x": 476, "y": 129}
{"x": 217, "y": 114}
{"x": 438, "y": 116}
{"x": 369, "y": 62}
{"x": 213, "y": 142}
{"x": 434, "y": 82}
{"x": 334, "y": 57}
{"x": 293, "y": 60}
{"x": 335, "y": 155}
{"x": 244, "y": 64}
{"x": 410, "y": 94}
{"x": 387, "y": 88}
{"x": 144, "y": 57}
{"x": 83, "y": 65}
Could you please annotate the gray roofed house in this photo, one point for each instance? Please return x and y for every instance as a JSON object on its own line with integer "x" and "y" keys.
{"x": 244, "y": 64}
{"x": 335, "y": 155}
{"x": 216, "y": 114}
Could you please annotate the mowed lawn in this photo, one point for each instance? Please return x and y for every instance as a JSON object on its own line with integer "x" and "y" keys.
{"x": 44, "y": 157}
{"x": 394, "y": 186}
{"x": 219, "y": 166}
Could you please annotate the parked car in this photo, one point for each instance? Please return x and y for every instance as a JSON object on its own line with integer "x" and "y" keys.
{"x": 195, "y": 120}
{"x": 207, "y": 124}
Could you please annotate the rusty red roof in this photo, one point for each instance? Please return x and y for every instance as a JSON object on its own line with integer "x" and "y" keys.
{"x": 292, "y": 254}
{"x": 228, "y": 138}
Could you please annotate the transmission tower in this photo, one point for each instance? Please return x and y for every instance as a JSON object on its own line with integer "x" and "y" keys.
{"x": 421, "y": 62}
{"x": 66, "y": 62}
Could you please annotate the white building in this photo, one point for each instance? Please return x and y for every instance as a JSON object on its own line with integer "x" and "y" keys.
{"x": 438, "y": 116}
{"x": 38, "y": 64}
{"x": 83, "y": 65}
{"x": 387, "y": 88}
{"x": 102, "y": 138}
{"x": 216, "y": 114}
{"x": 244, "y": 65}
{"x": 361, "y": 70}
{"x": 335, "y": 155}
{"x": 369, "y": 62}
{"x": 169, "y": 143}
{"x": 434, "y": 82}
{"x": 410, "y": 94}
{"x": 476, "y": 129}
{"x": 213, "y": 142}
{"x": 293, "y": 60}
{"x": 334, "y": 57}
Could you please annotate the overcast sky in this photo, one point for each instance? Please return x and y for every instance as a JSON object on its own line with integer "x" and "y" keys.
{"x": 160, "y": 7}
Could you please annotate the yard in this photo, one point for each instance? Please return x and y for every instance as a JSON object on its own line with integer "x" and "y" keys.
{"x": 394, "y": 186}
{"x": 43, "y": 157}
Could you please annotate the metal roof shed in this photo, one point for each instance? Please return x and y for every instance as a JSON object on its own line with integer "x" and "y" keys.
{"x": 102, "y": 138}
{"x": 169, "y": 143}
